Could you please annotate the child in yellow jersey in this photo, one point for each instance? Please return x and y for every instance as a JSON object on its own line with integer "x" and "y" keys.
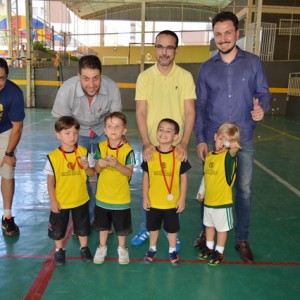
{"x": 67, "y": 168}
{"x": 216, "y": 191}
{"x": 115, "y": 161}
{"x": 164, "y": 189}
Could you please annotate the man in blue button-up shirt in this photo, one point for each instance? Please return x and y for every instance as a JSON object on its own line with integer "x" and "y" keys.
{"x": 232, "y": 87}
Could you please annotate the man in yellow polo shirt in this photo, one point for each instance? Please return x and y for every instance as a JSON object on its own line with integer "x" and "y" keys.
{"x": 165, "y": 90}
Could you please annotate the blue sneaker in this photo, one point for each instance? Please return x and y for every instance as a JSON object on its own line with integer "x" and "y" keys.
{"x": 174, "y": 258}
{"x": 140, "y": 238}
{"x": 150, "y": 256}
{"x": 178, "y": 245}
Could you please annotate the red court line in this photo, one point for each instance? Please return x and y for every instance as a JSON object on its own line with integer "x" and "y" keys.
{"x": 186, "y": 261}
{"x": 201, "y": 262}
{"x": 41, "y": 281}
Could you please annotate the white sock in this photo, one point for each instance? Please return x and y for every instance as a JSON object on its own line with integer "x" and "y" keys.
{"x": 220, "y": 249}
{"x": 6, "y": 213}
{"x": 172, "y": 250}
{"x": 153, "y": 248}
{"x": 210, "y": 244}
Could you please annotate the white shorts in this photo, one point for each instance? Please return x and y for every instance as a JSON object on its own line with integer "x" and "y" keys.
{"x": 6, "y": 171}
{"x": 220, "y": 218}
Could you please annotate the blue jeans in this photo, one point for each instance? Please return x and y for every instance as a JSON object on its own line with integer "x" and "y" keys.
{"x": 91, "y": 144}
{"x": 243, "y": 201}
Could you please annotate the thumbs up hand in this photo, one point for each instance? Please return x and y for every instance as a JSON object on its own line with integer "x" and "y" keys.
{"x": 257, "y": 113}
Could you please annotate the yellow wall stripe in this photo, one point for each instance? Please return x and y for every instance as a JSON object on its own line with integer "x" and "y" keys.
{"x": 121, "y": 85}
{"x": 279, "y": 90}
{"x": 39, "y": 82}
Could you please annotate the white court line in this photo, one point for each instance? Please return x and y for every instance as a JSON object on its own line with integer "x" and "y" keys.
{"x": 285, "y": 183}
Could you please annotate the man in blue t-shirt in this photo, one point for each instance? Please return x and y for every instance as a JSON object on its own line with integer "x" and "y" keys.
{"x": 12, "y": 114}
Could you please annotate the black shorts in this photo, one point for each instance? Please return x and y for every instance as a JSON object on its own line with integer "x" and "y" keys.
{"x": 58, "y": 222}
{"x": 155, "y": 217}
{"x": 120, "y": 219}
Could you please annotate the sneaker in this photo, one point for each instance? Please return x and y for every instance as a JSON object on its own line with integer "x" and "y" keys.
{"x": 205, "y": 253}
{"x": 174, "y": 258}
{"x": 86, "y": 254}
{"x": 178, "y": 245}
{"x": 60, "y": 257}
{"x": 140, "y": 238}
{"x": 216, "y": 258}
{"x": 200, "y": 241}
{"x": 150, "y": 256}
{"x": 100, "y": 254}
{"x": 123, "y": 256}
{"x": 9, "y": 225}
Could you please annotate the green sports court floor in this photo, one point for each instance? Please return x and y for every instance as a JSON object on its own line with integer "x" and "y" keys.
{"x": 28, "y": 272}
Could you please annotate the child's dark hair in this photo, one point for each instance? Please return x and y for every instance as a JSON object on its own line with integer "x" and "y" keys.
{"x": 89, "y": 62}
{"x": 170, "y": 121}
{"x": 66, "y": 122}
{"x": 116, "y": 114}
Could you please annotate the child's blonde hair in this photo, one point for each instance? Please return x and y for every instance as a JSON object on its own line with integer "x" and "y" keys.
{"x": 231, "y": 130}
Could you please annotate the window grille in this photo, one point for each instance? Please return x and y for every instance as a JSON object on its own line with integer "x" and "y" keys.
{"x": 289, "y": 27}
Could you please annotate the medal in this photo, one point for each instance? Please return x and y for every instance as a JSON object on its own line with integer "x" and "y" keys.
{"x": 226, "y": 144}
{"x": 70, "y": 164}
{"x": 170, "y": 196}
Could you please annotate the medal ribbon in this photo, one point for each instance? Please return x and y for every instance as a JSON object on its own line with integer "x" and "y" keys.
{"x": 76, "y": 158}
{"x": 117, "y": 148}
{"x": 169, "y": 188}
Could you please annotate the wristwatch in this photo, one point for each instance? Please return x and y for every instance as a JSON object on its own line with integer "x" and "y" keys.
{"x": 11, "y": 154}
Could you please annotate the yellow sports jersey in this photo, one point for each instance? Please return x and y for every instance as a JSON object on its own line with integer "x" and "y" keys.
{"x": 112, "y": 186}
{"x": 165, "y": 96}
{"x": 218, "y": 192}
{"x": 158, "y": 191}
{"x": 70, "y": 184}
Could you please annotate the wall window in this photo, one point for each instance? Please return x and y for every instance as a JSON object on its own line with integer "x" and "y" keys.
{"x": 289, "y": 27}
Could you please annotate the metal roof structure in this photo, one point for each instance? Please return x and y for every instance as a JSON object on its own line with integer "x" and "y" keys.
{"x": 175, "y": 10}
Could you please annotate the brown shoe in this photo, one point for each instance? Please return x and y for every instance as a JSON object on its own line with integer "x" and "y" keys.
{"x": 200, "y": 241}
{"x": 245, "y": 251}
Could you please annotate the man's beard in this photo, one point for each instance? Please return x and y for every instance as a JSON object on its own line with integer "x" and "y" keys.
{"x": 227, "y": 51}
{"x": 165, "y": 62}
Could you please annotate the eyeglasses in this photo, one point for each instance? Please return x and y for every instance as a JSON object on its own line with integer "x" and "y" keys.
{"x": 3, "y": 78}
{"x": 168, "y": 48}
